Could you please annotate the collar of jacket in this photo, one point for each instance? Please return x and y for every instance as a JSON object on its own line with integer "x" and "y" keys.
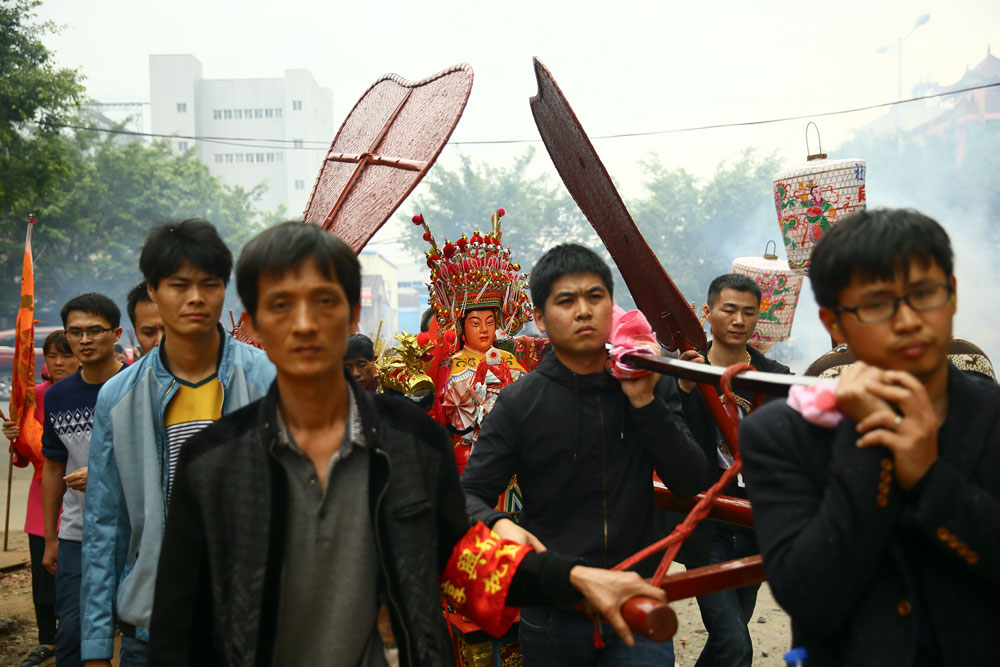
{"x": 758, "y": 360}
{"x": 552, "y": 368}
{"x": 366, "y": 411}
{"x": 223, "y": 363}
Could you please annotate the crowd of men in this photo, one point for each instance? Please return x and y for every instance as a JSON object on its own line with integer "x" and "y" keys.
{"x": 221, "y": 504}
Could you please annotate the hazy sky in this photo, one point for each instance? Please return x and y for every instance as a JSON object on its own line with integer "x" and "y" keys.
{"x": 625, "y": 66}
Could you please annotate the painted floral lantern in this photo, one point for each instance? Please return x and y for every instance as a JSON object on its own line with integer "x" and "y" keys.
{"x": 780, "y": 287}
{"x": 810, "y": 198}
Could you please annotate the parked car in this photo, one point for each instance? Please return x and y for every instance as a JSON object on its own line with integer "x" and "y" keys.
{"x": 9, "y": 336}
{"x": 7, "y": 371}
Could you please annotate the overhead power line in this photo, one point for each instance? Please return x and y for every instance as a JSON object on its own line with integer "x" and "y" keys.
{"x": 293, "y": 144}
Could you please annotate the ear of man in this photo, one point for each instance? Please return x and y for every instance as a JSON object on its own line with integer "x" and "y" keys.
{"x": 539, "y": 318}
{"x": 829, "y": 319}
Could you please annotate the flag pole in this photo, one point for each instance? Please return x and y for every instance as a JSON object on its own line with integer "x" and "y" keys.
{"x": 6, "y": 518}
{"x": 10, "y": 471}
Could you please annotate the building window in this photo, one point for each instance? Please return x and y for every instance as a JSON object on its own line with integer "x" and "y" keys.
{"x": 238, "y": 113}
{"x": 300, "y": 185}
{"x": 258, "y": 113}
{"x": 270, "y": 157}
{"x": 277, "y": 113}
{"x": 248, "y": 113}
{"x": 239, "y": 158}
{"x": 182, "y": 107}
{"x": 296, "y": 143}
{"x": 227, "y": 114}
{"x": 216, "y": 114}
{"x": 296, "y": 105}
{"x": 268, "y": 113}
{"x": 280, "y": 157}
{"x": 260, "y": 157}
{"x": 229, "y": 158}
{"x": 218, "y": 158}
{"x": 182, "y": 146}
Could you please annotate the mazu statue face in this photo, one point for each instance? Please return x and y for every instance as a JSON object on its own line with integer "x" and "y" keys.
{"x": 480, "y": 329}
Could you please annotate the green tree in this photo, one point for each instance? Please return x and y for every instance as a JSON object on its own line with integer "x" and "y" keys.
{"x": 538, "y": 214}
{"x": 89, "y": 237}
{"x": 35, "y": 98}
{"x": 696, "y": 230}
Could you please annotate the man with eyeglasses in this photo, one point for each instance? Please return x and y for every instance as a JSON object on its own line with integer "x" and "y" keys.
{"x": 91, "y": 326}
{"x": 877, "y": 504}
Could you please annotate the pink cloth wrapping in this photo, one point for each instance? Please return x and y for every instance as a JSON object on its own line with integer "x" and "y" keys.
{"x": 817, "y": 403}
{"x": 630, "y": 334}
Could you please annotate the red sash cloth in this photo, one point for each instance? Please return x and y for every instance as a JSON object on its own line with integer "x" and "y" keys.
{"x": 478, "y": 575}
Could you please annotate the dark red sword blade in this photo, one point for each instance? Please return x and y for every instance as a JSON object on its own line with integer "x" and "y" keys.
{"x": 588, "y": 182}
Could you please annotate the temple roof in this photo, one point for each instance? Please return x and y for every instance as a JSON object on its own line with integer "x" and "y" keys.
{"x": 987, "y": 71}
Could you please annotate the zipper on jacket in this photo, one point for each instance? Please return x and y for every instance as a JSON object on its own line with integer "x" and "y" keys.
{"x": 604, "y": 476}
{"x": 164, "y": 479}
{"x": 381, "y": 554}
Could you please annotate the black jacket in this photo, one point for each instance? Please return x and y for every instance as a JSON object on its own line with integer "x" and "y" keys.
{"x": 218, "y": 583}
{"x": 704, "y": 430}
{"x": 867, "y": 580}
{"x": 584, "y": 459}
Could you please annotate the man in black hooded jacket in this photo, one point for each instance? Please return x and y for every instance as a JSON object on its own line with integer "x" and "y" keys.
{"x": 584, "y": 447}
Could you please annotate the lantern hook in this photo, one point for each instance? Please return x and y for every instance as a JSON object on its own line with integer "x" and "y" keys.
{"x": 819, "y": 140}
{"x": 770, "y": 250}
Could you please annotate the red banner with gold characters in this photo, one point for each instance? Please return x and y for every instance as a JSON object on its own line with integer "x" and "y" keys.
{"x": 22, "y": 394}
{"x": 478, "y": 575}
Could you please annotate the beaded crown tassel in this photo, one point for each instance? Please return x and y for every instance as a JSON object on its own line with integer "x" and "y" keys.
{"x": 474, "y": 273}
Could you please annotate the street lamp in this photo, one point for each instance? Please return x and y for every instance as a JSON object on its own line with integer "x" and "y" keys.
{"x": 899, "y": 52}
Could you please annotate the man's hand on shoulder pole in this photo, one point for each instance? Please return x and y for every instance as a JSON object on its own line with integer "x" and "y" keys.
{"x": 639, "y": 391}
{"x": 695, "y": 358}
{"x": 607, "y": 590}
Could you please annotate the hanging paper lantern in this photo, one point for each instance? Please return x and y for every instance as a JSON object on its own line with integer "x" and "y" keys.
{"x": 810, "y": 198}
{"x": 780, "y": 287}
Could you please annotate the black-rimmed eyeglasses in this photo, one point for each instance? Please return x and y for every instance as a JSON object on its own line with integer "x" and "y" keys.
{"x": 920, "y": 300}
{"x": 76, "y": 333}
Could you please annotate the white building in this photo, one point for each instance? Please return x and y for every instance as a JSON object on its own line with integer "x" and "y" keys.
{"x": 280, "y": 128}
{"x": 379, "y": 296}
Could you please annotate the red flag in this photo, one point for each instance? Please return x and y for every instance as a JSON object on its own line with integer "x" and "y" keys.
{"x": 22, "y": 395}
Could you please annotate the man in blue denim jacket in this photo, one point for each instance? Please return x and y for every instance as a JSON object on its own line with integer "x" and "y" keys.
{"x": 197, "y": 374}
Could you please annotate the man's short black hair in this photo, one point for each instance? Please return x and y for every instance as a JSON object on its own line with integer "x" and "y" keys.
{"x": 565, "y": 259}
{"x": 425, "y": 320}
{"x": 360, "y": 345}
{"x": 193, "y": 241}
{"x": 289, "y": 245}
{"x": 876, "y": 245}
{"x": 138, "y": 294}
{"x": 733, "y": 281}
{"x": 56, "y": 341}
{"x": 93, "y": 304}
